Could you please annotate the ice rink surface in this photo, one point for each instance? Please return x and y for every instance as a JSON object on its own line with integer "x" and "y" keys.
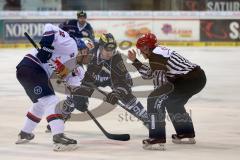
{"x": 215, "y": 112}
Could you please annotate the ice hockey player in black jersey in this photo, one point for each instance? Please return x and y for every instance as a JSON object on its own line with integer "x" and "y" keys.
{"x": 78, "y": 28}
{"x": 175, "y": 81}
{"x": 107, "y": 62}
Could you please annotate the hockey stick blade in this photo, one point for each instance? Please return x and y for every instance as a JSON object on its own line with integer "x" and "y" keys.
{"x": 118, "y": 137}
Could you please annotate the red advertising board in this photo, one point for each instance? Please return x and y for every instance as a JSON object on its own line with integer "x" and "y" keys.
{"x": 220, "y": 30}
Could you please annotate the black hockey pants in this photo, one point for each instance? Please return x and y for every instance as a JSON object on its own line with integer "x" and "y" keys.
{"x": 172, "y": 97}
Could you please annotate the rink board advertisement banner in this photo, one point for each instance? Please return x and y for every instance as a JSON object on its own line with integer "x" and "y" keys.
{"x": 122, "y": 29}
{"x": 13, "y": 30}
{"x": 177, "y": 30}
{"x": 220, "y": 30}
{"x": 130, "y": 30}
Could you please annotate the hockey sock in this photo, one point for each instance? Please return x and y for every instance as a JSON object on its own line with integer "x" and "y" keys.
{"x": 54, "y": 117}
{"x": 33, "y": 117}
{"x": 56, "y": 123}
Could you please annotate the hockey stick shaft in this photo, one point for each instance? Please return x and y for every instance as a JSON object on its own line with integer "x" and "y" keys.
{"x": 119, "y": 137}
{"x": 104, "y": 93}
{"x": 144, "y": 120}
{"x": 31, "y": 40}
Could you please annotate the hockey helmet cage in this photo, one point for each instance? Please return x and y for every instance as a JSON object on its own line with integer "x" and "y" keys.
{"x": 108, "y": 42}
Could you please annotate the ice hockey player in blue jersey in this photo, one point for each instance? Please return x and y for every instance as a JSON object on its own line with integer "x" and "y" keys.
{"x": 33, "y": 73}
{"x": 78, "y": 28}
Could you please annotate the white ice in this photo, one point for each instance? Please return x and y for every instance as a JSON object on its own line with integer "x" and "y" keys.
{"x": 215, "y": 112}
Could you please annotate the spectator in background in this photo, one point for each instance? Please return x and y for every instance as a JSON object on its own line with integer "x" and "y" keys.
{"x": 12, "y": 5}
{"x": 78, "y": 28}
{"x": 193, "y": 5}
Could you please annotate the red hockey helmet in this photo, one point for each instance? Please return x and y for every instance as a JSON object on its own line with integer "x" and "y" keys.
{"x": 147, "y": 40}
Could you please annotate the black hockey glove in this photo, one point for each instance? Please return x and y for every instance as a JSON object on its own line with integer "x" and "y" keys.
{"x": 45, "y": 53}
{"x": 80, "y": 103}
{"x": 112, "y": 98}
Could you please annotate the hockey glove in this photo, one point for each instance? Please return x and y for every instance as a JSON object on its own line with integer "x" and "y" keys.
{"x": 80, "y": 103}
{"x": 45, "y": 53}
{"x": 112, "y": 98}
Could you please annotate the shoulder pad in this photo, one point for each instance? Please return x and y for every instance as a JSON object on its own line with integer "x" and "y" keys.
{"x": 72, "y": 22}
{"x": 163, "y": 51}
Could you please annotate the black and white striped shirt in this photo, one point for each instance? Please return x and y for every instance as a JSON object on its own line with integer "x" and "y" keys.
{"x": 165, "y": 65}
{"x": 178, "y": 65}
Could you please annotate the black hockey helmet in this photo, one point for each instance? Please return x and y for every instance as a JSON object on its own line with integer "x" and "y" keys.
{"x": 81, "y": 13}
{"x": 108, "y": 42}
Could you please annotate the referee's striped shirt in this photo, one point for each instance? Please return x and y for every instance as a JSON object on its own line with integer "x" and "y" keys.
{"x": 178, "y": 65}
{"x": 165, "y": 65}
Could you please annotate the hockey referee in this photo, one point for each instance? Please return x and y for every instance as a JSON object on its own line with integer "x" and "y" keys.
{"x": 175, "y": 81}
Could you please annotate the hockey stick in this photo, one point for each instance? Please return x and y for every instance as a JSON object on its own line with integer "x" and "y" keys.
{"x": 31, "y": 41}
{"x": 102, "y": 92}
{"x": 90, "y": 85}
{"x": 119, "y": 137}
{"x": 105, "y": 94}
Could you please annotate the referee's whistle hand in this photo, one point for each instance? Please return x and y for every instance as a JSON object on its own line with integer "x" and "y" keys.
{"x": 132, "y": 55}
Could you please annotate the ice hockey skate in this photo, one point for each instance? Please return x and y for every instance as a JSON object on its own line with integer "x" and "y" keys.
{"x": 183, "y": 139}
{"x": 63, "y": 143}
{"x": 24, "y": 137}
{"x": 154, "y": 144}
